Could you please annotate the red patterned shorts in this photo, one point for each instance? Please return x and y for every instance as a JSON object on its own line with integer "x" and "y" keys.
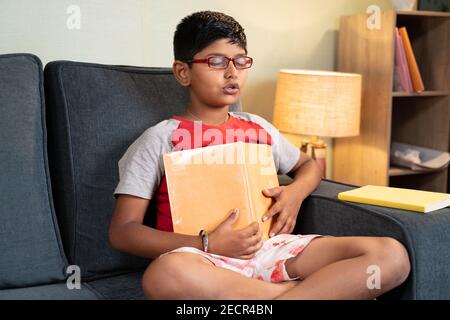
{"x": 268, "y": 264}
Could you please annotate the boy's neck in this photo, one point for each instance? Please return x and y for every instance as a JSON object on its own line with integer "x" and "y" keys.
{"x": 214, "y": 117}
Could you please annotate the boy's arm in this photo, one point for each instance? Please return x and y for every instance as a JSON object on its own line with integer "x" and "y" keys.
{"x": 288, "y": 199}
{"x": 307, "y": 176}
{"x": 127, "y": 233}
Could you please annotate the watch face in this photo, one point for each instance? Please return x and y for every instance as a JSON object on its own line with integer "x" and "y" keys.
{"x": 205, "y": 242}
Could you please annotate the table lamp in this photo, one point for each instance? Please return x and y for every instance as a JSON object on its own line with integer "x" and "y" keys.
{"x": 317, "y": 104}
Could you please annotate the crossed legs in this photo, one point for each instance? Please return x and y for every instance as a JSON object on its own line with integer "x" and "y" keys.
{"x": 344, "y": 270}
{"x": 332, "y": 268}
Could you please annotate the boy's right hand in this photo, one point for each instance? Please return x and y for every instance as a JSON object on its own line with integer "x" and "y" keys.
{"x": 241, "y": 244}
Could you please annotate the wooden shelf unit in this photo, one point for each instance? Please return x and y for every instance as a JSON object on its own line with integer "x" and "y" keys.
{"x": 420, "y": 94}
{"x": 401, "y": 171}
{"x": 421, "y": 119}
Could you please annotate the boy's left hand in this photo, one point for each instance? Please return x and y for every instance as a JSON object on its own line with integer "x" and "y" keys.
{"x": 286, "y": 207}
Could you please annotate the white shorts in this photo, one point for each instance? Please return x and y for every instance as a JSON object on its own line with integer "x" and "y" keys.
{"x": 268, "y": 264}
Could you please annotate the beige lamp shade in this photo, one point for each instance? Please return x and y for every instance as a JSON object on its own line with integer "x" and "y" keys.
{"x": 318, "y": 103}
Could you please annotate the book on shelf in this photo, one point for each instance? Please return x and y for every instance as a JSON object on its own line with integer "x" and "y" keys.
{"x": 205, "y": 184}
{"x": 416, "y": 78}
{"x": 402, "y": 78}
{"x": 399, "y": 198}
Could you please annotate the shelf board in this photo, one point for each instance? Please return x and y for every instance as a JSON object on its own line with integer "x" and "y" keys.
{"x": 400, "y": 171}
{"x": 423, "y": 13}
{"x": 420, "y": 94}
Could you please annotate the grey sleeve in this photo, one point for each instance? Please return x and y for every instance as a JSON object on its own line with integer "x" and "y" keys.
{"x": 141, "y": 168}
{"x": 285, "y": 154}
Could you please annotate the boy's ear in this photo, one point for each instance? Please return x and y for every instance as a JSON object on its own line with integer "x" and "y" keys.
{"x": 182, "y": 73}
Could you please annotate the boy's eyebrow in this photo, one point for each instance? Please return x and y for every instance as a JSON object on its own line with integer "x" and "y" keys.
{"x": 221, "y": 54}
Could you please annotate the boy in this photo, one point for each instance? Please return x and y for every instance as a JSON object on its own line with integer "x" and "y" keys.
{"x": 211, "y": 60}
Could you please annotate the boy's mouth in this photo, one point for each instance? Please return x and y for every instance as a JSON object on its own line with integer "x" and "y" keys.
{"x": 231, "y": 88}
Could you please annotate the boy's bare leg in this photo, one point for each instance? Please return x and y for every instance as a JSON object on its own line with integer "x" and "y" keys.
{"x": 191, "y": 276}
{"x": 337, "y": 268}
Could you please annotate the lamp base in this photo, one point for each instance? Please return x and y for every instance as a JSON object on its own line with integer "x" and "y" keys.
{"x": 317, "y": 150}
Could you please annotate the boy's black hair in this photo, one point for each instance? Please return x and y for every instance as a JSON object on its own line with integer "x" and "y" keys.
{"x": 198, "y": 30}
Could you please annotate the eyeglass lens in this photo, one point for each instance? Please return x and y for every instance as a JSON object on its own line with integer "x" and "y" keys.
{"x": 222, "y": 62}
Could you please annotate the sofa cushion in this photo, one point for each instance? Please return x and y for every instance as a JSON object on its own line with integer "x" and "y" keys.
{"x": 30, "y": 246}
{"x": 94, "y": 113}
{"x": 121, "y": 287}
{"x": 56, "y": 291}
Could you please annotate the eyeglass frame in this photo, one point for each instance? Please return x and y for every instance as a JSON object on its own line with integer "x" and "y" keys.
{"x": 206, "y": 60}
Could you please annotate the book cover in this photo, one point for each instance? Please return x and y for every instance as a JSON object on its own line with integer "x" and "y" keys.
{"x": 416, "y": 78}
{"x": 399, "y": 198}
{"x": 402, "y": 77}
{"x": 205, "y": 184}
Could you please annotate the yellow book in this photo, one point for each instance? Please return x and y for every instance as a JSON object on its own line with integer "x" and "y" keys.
{"x": 407, "y": 199}
{"x": 205, "y": 184}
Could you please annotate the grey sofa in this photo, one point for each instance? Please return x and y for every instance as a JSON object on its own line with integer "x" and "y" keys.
{"x": 62, "y": 132}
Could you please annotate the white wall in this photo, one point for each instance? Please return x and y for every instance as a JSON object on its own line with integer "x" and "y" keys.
{"x": 111, "y": 31}
{"x": 281, "y": 34}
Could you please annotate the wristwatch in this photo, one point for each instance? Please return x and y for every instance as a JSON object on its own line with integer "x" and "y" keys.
{"x": 204, "y": 235}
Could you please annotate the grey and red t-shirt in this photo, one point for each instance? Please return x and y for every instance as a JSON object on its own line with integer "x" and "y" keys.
{"x": 141, "y": 169}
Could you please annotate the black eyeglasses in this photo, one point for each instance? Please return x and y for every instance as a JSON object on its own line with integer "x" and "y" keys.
{"x": 221, "y": 62}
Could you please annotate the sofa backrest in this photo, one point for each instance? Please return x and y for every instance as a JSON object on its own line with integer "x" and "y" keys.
{"x": 94, "y": 114}
{"x": 30, "y": 246}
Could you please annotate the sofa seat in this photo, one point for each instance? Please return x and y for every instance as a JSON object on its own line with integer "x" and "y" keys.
{"x": 56, "y": 291}
{"x": 121, "y": 287}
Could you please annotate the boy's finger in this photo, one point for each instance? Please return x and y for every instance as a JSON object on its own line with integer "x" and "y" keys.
{"x": 252, "y": 250}
{"x": 246, "y": 256}
{"x": 292, "y": 227}
{"x": 272, "y": 211}
{"x": 253, "y": 240}
{"x": 277, "y": 227}
{"x": 251, "y": 230}
{"x": 233, "y": 216}
{"x": 286, "y": 228}
{"x": 272, "y": 192}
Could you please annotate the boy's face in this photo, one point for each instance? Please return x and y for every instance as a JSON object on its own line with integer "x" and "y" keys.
{"x": 208, "y": 86}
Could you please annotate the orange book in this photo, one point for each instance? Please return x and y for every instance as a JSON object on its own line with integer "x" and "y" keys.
{"x": 205, "y": 184}
{"x": 416, "y": 78}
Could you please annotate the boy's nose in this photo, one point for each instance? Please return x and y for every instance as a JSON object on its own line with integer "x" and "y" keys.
{"x": 231, "y": 70}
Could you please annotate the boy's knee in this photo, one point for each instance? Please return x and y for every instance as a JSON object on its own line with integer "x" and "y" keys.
{"x": 394, "y": 259}
{"x": 161, "y": 277}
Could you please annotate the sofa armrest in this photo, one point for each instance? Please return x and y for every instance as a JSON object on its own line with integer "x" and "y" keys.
{"x": 425, "y": 236}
